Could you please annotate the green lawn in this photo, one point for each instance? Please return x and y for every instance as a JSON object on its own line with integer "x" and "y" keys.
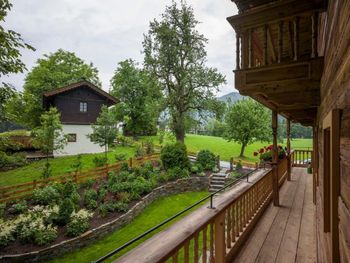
{"x": 226, "y": 149}
{"x": 60, "y": 166}
{"x": 154, "y": 214}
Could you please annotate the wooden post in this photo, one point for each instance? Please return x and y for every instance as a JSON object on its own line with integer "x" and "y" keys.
{"x": 130, "y": 162}
{"x": 220, "y": 247}
{"x": 296, "y": 38}
{"x": 231, "y": 163}
{"x": 218, "y": 161}
{"x": 314, "y": 19}
{"x": 289, "y": 163}
{"x": 275, "y": 160}
{"x": 250, "y": 48}
{"x": 238, "y": 59}
{"x": 265, "y": 46}
{"x": 280, "y": 41}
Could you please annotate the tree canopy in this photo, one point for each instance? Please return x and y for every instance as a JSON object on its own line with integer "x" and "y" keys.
{"x": 139, "y": 98}
{"x": 247, "y": 121}
{"x": 51, "y": 72}
{"x": 175, "y": 54}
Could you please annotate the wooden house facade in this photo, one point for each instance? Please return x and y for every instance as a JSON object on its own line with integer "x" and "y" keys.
{"x": 79, "y": 105}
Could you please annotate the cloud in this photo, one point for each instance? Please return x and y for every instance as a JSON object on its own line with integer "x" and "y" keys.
{"x": 109, "y": 31}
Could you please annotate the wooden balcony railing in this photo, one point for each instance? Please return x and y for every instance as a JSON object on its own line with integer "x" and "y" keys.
{"x": 212, "y": 235}
{"x": 301, "y": 158}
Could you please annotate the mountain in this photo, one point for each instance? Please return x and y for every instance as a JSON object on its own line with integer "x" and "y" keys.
{"x": 233, "y": 96}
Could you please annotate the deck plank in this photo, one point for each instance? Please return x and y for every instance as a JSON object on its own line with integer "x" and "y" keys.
{"x": 285, "y": 233}
{"x": 307, "y": 240}
{"x": 289, "y": 245}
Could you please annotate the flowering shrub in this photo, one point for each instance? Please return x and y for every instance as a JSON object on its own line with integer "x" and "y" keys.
{"x": 7, "y": 230}
{"x": 46, "y": 196}
{"x": 79, "y": 223}
{"x": 266, "y": 153}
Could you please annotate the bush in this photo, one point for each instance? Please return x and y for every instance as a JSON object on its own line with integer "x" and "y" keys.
{"x": 124, "y": 167}
{"x": 149, "y": 145}
{"x": 45, "y": 196}
{"x": 2, "y": 210}
{"x": 68, "y": 189}
{"x": 207, "y": 159}
{"x": 174, "y": 155}
{"x": 102, "y": 192}
{"x": 18, "y": 208}
{"x": 120, "y": 157}
{"x": 100, "y": 161}
{"x": 197, "y": 168}
{"x": 88, "y": 183}
{"x": 66, "y": 208}
{"x": 6, "y": 233}
{"x": 177, "y": 173}
{"x": 79, "y": 223}
{"x": 77, "y": 164}
{"x": 239, "y": 165}
{"x": 90, "y": 199}
{"x": 14, "y": 160}
{"x": 123, "y": 197}
{"x": 139, "y": 151}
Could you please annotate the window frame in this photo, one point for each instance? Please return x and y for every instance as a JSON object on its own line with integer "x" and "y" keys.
{"x": 71, "y": 135}
{"x": 83, "y": 107}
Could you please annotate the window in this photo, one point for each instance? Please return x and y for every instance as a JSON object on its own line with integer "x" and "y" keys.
{"x": 83, "y": 106}
{"x": 72, "y": 137}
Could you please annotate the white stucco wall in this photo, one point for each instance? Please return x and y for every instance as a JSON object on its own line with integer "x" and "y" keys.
{"x": 82, "y": 145}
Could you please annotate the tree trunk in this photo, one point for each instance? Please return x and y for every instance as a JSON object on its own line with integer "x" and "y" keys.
{"x": 179, "y": 128}
{"x": 242, "y": 150}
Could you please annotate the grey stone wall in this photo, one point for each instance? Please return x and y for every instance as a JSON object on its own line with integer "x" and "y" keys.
{"x": 182, "y": 185}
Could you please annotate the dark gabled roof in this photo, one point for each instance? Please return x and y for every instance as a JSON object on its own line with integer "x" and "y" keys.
{"x": 83, "y": 83}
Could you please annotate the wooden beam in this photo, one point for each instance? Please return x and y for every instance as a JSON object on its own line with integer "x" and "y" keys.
{"x": 314, "y": 19}
{"x": 280, "y": 41}
{"x": 271, "y": 46}
{"x": 275, "y": 159}
{"x": 265, "y": 56}
{"x": 289, "y": 166}
{"x": 250, "y": 48}
{"x": 296, "y": 38}
{"x": 238, "y": 59}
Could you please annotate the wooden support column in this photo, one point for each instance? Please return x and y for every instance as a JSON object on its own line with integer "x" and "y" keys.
{"x": 238, "y": 58}
{"x": 265, "y": 46}
{"x": 314, "y": 19}
{"x": 316, "y": 154}
{"x": 289, "y": 162}
{"x": 275, "y": 160}
{"x": 313, "y": 160}
{"x": 280, "y": 41}
{"x": 296, "y": 38}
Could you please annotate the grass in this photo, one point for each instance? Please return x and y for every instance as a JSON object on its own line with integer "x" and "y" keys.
{"x": 59, "y": 165}
{"x": 154, "y": 214}
{"x": 226, "y": 149}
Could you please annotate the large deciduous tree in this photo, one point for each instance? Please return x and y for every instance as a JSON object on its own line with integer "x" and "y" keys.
{"x": 175, "y": 53}
{"x": 51, "y": 72}
{"x": 247, "y": 121}
{"x": 139, "y": 99}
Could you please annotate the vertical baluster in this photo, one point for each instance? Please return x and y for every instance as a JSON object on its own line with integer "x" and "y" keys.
{"x": 175, "y": 257}
{"x": 233, "y": 222}
{"x": 228, "y": 228}
{"x": 250, "y": 48}
{"x": 314, "y": 19}
{"x": 195, "y": 254}
{"x": 265, "y": 45}
{"x": 204, "y": 245}
{"x": 211, "y": 258}
{"x": 187, "y": 251}
{"x": 280, "y": 41}
{"x": 296, "y": 38}
{"x": 238, "y": 58}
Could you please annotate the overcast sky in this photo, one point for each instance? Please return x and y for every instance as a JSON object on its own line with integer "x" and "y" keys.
{"x": 106, "y": 32}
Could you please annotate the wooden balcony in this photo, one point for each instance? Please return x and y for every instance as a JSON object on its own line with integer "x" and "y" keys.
{"x": 239, "y": 222}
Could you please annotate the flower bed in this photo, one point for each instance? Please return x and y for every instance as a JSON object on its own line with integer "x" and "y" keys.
{"x": 59, "y": 212}
{"x": 265, "y": 153}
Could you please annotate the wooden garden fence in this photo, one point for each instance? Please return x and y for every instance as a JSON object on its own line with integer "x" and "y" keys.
{"x": 18, "y": 191}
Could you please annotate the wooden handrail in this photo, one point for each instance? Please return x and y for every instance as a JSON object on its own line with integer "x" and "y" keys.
{"x": 301, "y": 158}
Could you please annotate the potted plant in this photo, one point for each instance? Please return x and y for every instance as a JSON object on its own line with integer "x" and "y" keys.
{"x": 265, "y": 154}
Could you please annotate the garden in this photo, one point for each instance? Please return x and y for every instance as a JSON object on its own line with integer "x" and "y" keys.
{"x": 60, "y": 211}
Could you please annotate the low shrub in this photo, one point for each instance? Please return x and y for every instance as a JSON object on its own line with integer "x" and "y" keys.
{"x": 12, "y": 161}
{"x": 177, "y": 173}
{"x": 239, "y": 165}
{"x": 207, "y": 159}
{"x": 88, "y": 183}
{"x": 18, "y": 208}
{"x": 79, "y": 223}
{"x": 139, "y": 151}
{"x": 90, "y": 199}
{"x": 123, "y": 197}
{"x": 66, "y": 208}
{"x": 2, "y": 210}
{"x": 100, "y": 161}
{"x": 102, "y": 192}
{"x": 45, "y": 196}
{"x": 7, "y": 230}
{"x": 174, "y": 155}
{"x": 197, "y": 168}
{"x": 124, "y": 167}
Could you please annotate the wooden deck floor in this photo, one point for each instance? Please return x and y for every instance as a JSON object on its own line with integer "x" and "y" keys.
{"x": 286, "y": 233}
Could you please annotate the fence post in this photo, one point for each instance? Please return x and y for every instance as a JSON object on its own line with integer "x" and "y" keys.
{"x": 231, "y": 163}
{"x": 218, "y": 162}
{"x": 130, "y": 162}
{"x": 220, "y": 247}
{"x": 34, "y": 184}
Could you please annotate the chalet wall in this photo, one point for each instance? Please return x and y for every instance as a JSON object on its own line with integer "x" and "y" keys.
{"x": 335, "y": 94}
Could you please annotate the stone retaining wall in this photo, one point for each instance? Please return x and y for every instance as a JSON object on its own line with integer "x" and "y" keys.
{"x": 182, "y": 185}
